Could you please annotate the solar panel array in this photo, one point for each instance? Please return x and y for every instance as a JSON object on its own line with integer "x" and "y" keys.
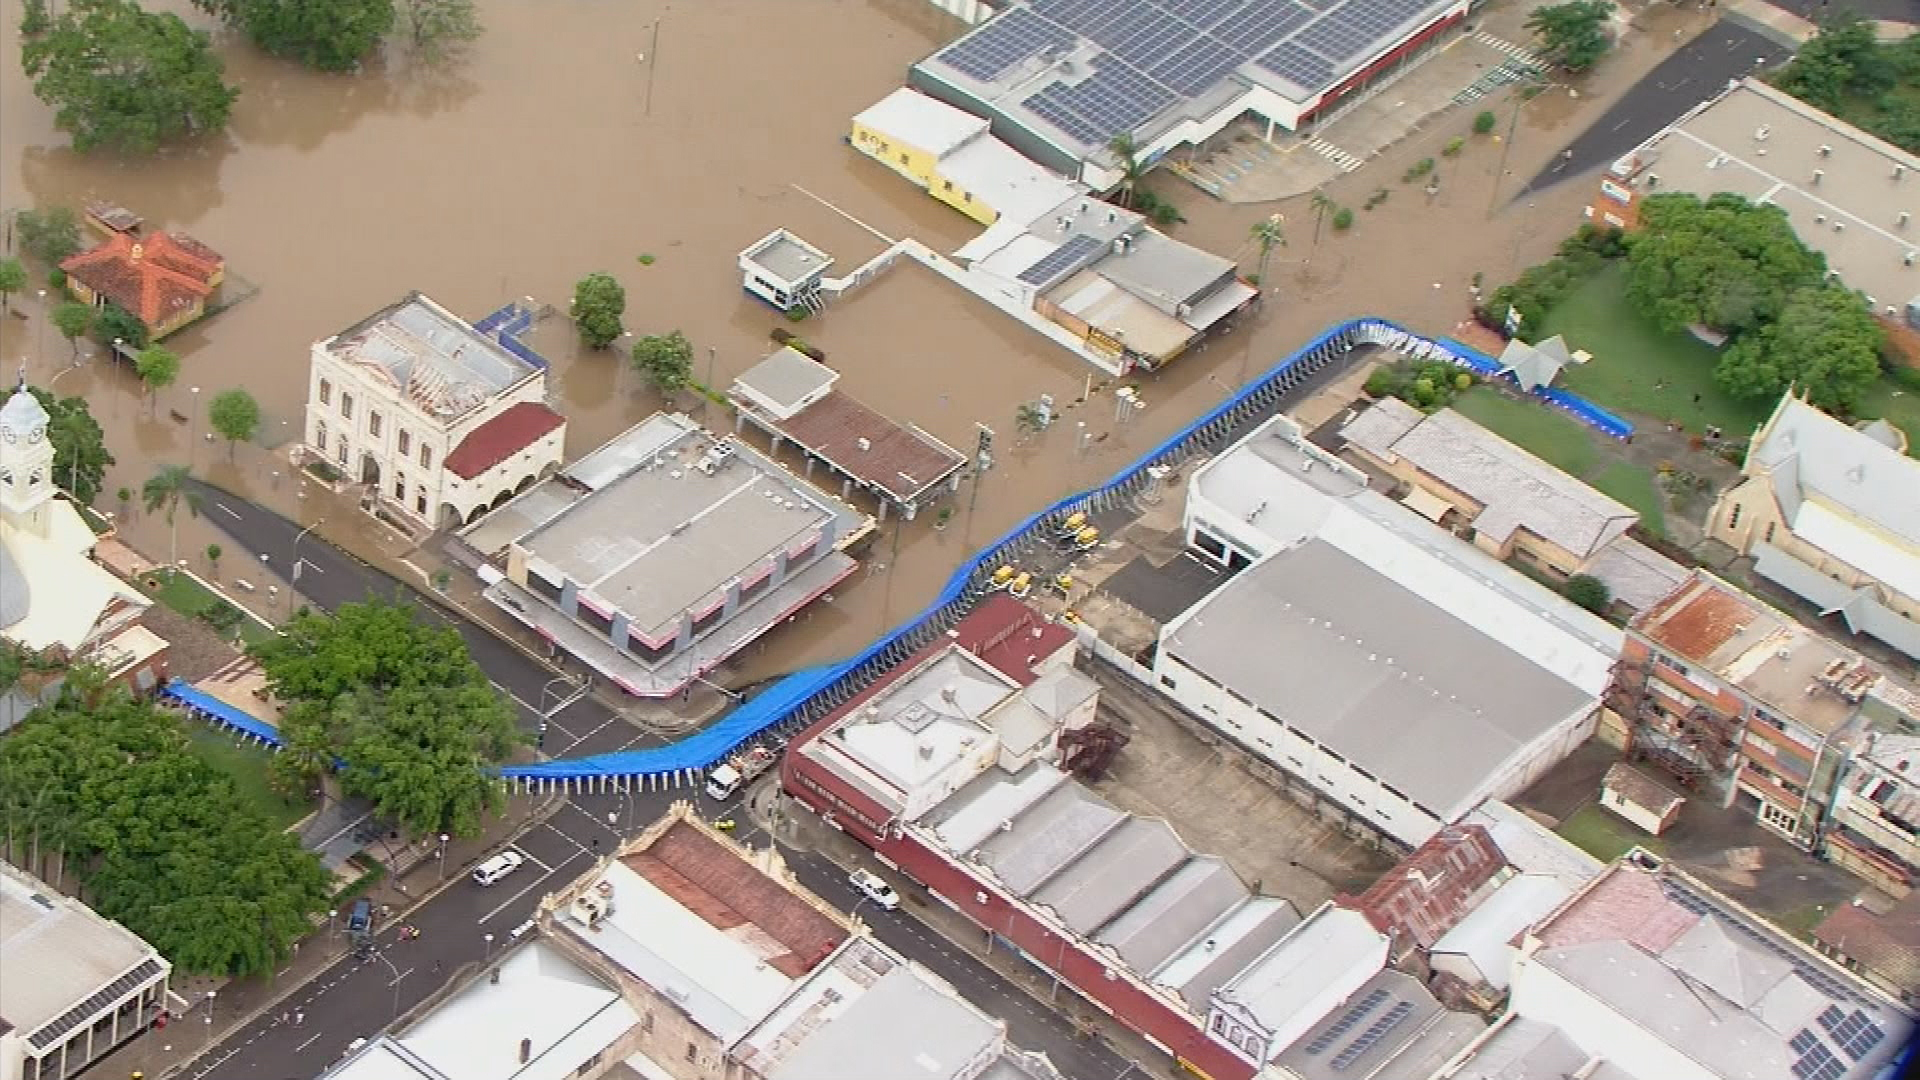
{"x": 1347, "y": 1021}
{"x": 1374, "y": 1033}
{"x": 1856, "y": 1033}
{"x": 1158, "y": 52}
{"x": 1818, "y": 1063}
{"x": 1060, "y": 259}
{"x": 1820, "y": 979}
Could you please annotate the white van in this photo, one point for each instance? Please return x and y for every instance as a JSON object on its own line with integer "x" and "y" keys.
{"x": 491, "y": 871}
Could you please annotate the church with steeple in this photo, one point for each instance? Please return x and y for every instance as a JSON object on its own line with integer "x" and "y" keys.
{"x": 53, "y": 595}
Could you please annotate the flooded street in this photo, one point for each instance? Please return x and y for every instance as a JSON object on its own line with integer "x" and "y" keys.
{"x": 578, "y": 135}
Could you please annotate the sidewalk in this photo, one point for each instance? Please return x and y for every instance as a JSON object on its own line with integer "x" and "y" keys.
{"x": 236, "y": 1003}
{"x": 793, "y": 824}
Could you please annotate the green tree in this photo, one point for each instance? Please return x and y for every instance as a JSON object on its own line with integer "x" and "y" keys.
{"x": 34, "y": 18}
{"x": 598, "y": 303}
{"x": 667, "y": 359}
{"x": 125, "y": 78}
{"x": 80, "y": 456}
{"x": 111, "y": 323}
{"x": 1825, "y": 343}
{"x": 1725, "y": 263}
{"x": 401, "y": 703}
{"x": 161, "y": 841}
{"x": 1269, "y": 232}
{"x": 73, "y": 319}
{"x": 1484, "y": 122}
{"x": 167, "y": 490}
{"x": 1323, "y": 205}
{"x": 1843, "y": 59}
{"x": 1574, "y": 34}
{"x": 13, "y": 278}
{"x": 1588, "y": 592}
{"x": 437, "y": 29}
{"x": 158, "y": 367}
{"x": 49, "y": 235}
{"x": 327, "y": 35}
{"x": 235, "y": 415}
{"x": 1030, "y": 420}
{"x": 1127, "y": 156}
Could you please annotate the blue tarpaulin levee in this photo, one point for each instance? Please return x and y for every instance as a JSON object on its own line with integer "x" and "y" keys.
{"x": 215, "y": 711}
{"x": 817, "y": 690}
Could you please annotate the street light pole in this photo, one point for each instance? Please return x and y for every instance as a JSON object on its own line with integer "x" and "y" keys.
{"x": 488, "y": 938}
{"x": 293, "y": 578}
{"x": 193, "y": 447}
{"x": 442, "y": 856}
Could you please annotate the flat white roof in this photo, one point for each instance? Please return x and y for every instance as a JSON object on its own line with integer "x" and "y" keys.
{"x": 1487, "y": 934}
{"x": 1892, "y": 560}
{"x": 910, "y": 117}
{"x": 920, "y": 725}
{"x": 1015, "y": 187}
{"x": 1335, "y": 945}
{"x": 56, "y": 953}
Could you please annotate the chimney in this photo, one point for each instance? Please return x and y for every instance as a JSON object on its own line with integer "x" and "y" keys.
{"x": 1817, "y": 174}
{"x": 526, "y": 1051}
{"x": 950, "y": 694}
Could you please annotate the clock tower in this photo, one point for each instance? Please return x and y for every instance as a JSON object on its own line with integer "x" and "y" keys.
{"x": 26, "y": 463}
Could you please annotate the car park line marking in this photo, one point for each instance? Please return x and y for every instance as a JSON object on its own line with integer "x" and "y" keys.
{"x": 523, "y": 854}
{"x": 309, "y": 1042}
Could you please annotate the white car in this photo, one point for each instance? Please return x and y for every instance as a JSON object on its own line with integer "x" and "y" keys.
{"x": 491, "y": 871}
{"x": 875, "y": 888}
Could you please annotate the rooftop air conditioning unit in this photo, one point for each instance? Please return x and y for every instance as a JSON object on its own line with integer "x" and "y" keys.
{"x": 1826, "y": 151}
{"x": 1818, "y": 174}
{"x": 1760, "y": 133}
{"x": 1899, "y": 171}
{"x": 1902, "y": 220}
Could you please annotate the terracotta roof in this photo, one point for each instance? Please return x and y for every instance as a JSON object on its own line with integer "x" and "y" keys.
{"x": 1886, "y": 945}
{"x": 154, "y": 277}
{"x": 1640, "y": 789}
{"x": 1697, "y": 618}
{"x": 832, "y": 428}
{"x": 1427, "y": 893}
{"x": 728, "y": 892}
{"x": 1627, "y": 904}
{"x": 517, "y": 427}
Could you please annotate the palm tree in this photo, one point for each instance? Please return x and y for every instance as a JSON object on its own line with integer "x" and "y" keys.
{"x": 1322, "y": 206}
{"x": 1127, "y": 154}
{"x": 1269, "y": 234}
{"x": 168, "y": 488}
{"x": 1030, "y": 419}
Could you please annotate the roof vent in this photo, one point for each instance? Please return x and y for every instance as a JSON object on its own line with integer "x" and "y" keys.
{"x": 1653, "y": 181}
{"x": 1899, "y": 171}
{"x": 1817, "y": 175}
{"x": 1903, "y": 219}
{"x": 1760, "y": 133}
{"x": 863, "y": 443}
{"x": 1908, "y": 258}
{"x": 950, "y": 694}
{"x": 1826, "y": 151}
{"x": 1819, "y": 219}
{"x": 1857, "y": 473}
{"x": 1839, "y": 226}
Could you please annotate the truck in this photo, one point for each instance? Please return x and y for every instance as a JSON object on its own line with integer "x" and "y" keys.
{"x": 742, "y": 768}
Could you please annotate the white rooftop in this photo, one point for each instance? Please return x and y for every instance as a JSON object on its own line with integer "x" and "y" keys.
{"x": 900, "y": 1025}
{"x": 1532, "y": 848}
{"x": 996, "y": 174}
{"x": 56, "y": 953}
{"x": 910, "y": 117}
{"x": 1335, "y": 945}
{"x": 431, "y": 357}
{"x": 921, "y": 725}
{"x": 1487, "y": 936}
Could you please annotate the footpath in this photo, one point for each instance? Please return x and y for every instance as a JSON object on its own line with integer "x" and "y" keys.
{"x": 207, "y": 1011}
{"x": 794, "y": 825}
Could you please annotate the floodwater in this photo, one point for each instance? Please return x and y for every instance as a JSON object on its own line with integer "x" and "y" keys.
{"x": 578, "y": 135}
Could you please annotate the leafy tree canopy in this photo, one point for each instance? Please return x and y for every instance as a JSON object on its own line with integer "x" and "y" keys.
{"x": 158, "y": 366}
{"x": 1825, "y": 342}
{"x": 437, "y": 29}
{"x": 667, "y": 359}
{"x": 1588, "y": 592}
{"x": 127, "y": 79}
{"x": 598, "y": 303}
{"x": 401, "y": 703}
{"x": 13, "y": 278}
{"x": 111, "y": 323}
{"x": 1843, "y": 59}
{"x": 327, "y": 35}
{"x": 235, "y": 415}
{"x": 1573, "y": 34}
{"x": 49, "y": 235}
{"x": 80, "y": 456}
{"x": 73, "y": 319}
{"x": 162, "y": 841}
{"x": 1725, "y": 263}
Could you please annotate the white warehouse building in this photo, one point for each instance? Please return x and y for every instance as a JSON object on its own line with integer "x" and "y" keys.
{"x": 1399, "y": 671}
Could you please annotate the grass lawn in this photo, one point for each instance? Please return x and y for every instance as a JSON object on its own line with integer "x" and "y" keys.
{"x": 1552, "y": 436}
{"x": 187, "y": 596}
{"x": 1602, "y": 835}
{"x": 1630, "y": 355}
{"x": 1634, "y": 486}
{"x": 1900, "y": 407}
{"x": 247, "y": 766}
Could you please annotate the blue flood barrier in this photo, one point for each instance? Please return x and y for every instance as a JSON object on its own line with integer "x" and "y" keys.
{"x": 215, "y": 711}
{"x": 805, "y": 696}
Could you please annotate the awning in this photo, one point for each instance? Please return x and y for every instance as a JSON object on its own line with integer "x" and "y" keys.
{"x": 1427, "y": 504}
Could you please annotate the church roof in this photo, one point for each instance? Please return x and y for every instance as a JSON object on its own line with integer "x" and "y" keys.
{"x": 22, "y": 413}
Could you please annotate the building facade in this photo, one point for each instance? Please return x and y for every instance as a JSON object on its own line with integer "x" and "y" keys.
{"x": 1874, "y": 827}
{"x": 434, "y": 420}
{"x": 73, "y": 985}
{"x": 1831, "y": 513}
{"x": 162, "y": 279}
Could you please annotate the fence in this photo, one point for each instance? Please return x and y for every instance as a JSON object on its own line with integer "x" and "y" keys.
{"x": 1453, "y": 352}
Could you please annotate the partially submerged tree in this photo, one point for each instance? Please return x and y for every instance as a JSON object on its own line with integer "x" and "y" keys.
{"x": 73, "y": 320}
{"x": 127, "y": 79}
{"x": 80, "y": 456}
{"x": 167, "y": 490}
{"x": 598, "y": 303}
{"x": 437, "y": 29}
{"x": 49, "y": 235}
{"x": 1574, "y": 34}
{"x": 158, "y": 367}
{"x": 326, "y": 35}
{"x": 666, "y": 359}
{"x": 236, "y": 416}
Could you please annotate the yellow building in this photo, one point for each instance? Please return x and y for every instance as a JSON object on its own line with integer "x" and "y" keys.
{"x": 952, "y": 155}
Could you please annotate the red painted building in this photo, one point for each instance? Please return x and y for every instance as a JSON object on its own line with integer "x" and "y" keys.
{"x": 1427, "y": 893}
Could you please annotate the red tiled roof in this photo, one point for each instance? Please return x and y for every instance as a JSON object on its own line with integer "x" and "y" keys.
{"x": 727, "y": 891}
{"x": 1886, "y": 945}
{"x": 832, "y": 429}
{"x": 1626, "y": 904}
{"x": 154, "y": 277}
{"x": 518, "y": 426}
{"x": 1427, "y": 893}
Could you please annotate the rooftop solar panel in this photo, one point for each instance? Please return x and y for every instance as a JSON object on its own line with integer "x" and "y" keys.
{"x": 1347, "y": 1021}
{"x": 1375, "y": 1032}
{"x": 1004, "y": 43}
{"x": 1060, "y": 260}
{"x": 1202, "y": 13}
{"x": 1196, "y": 67}
{"x": 1257, "y": 26}
{"x": 1303, "y": 67}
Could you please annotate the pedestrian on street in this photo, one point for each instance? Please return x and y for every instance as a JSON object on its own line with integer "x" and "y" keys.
{"x": 299, "y": 1017}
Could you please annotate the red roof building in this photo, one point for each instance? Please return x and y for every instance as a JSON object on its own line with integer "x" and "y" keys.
{"x": 1883, "y": 948}
{"x": 163, "y": 279}
{"x": 1427, "y": 893}
{"x": 515, "y": 428}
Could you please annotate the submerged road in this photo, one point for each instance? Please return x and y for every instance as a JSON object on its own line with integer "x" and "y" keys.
{"x": 358, "y": 996}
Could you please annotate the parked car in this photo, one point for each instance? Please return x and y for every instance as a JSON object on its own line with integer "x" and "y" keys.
{"x": 360, "y": 917}
{"x": 491, "y": 871}
{"x": 874, "y": 888}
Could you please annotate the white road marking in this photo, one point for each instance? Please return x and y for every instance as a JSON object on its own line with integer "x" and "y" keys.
{"x": 395, "y": 981}
{"x": 524, "y": 854}
{"x": 228, "y": 509}
{"x": 515, "y": 898}
{"x": 309, "y": 1042}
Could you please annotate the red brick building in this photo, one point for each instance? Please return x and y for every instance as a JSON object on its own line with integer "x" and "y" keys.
{"x": 1427, "y": 893}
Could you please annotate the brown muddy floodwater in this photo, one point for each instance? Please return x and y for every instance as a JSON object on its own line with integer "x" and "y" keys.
{"x": 578, "y": 135}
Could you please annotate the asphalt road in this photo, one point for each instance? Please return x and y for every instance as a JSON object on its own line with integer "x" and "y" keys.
{"x": 1726, "y": 51}
{"x": 356, "y": 997}
{"x": 1907, "y": 11}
